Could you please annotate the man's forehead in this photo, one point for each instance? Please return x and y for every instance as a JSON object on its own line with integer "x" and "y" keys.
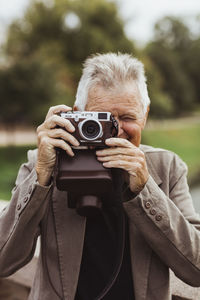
{"x": 122, "y": 98}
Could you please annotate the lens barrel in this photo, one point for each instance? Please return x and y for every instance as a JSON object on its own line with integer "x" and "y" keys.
{"x": 90, "y": 129}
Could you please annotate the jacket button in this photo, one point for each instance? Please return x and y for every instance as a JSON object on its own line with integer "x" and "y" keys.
{"x": 153, "y": 212}
{"x": 30, "y": 190}
{"x": 158, "y": 218}
{"x": 19, "y": 206}
{"x": 25, "y": 199}
{"x": 147, "y": 204}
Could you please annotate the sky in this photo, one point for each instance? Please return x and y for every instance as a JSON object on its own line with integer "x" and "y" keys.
{"x": 139, "y": 15}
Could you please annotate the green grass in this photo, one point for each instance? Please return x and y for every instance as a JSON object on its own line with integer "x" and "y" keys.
{"x": 184, "y": 141}
{"x": 10, "y": 160}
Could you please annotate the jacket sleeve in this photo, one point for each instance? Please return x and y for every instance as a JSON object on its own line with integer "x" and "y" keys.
{"x": 169, "y": 223}
{"x": 20, "y": 220}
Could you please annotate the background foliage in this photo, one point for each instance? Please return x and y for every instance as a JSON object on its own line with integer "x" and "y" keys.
{"x": 45, "y": 49}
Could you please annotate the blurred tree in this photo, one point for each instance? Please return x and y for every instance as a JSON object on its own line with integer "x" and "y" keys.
{"x": 161, "y": 103}
{"x": 191, "y": 61}
{"x": 57, "y": 38}
{"x": 168, "y": 51}
{"x": 173, "y": 34}
{"x": 25, "y": 88}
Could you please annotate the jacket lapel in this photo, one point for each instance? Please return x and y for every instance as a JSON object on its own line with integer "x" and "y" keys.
{"x": 72, "y": 226}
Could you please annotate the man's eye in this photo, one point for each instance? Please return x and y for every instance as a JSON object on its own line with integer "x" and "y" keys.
{"x": 128, "y": 119}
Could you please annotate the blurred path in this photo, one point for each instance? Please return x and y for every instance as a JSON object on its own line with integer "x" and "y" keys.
{"x": 18, "y": 136}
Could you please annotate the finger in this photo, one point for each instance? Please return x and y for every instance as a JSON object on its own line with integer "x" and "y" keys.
{"x": 115, "y": 164}
{"x": 119, "y": 150}
{"x": 121, "y": 164}
{"x": 131, "y": 168}
{"x": 119, "y": 157}
{"x": 119, "y": 142}
{"x": 47, "y": 143}
{"x": 62, "y": 145}
{"x": 55, "y": 120}
{"x": 56, "y": 109}
{"x": 60, "y": 133}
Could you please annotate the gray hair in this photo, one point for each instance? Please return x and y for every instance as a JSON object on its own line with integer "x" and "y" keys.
{"x": 108, "y": 70}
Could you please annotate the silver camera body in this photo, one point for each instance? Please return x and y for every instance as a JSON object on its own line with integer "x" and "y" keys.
{"x": 92, "y": 128}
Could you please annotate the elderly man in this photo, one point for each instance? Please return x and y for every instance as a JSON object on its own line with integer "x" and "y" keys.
{"x": 162, "y": 228}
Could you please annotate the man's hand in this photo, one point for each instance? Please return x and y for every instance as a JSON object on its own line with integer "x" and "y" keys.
{"x": 123, "y": 154}
{"x": 51, "y": 136}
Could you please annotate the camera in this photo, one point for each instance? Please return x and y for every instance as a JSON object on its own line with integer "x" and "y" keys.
{"x": 88, "y": 183}
{"x": 92, "y": 128}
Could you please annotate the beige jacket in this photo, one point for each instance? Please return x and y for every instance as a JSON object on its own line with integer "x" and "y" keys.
{"x": 164, "y": 232}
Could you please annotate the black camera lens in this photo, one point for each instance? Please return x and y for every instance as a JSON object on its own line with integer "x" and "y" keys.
{"x": 91, "y": 129}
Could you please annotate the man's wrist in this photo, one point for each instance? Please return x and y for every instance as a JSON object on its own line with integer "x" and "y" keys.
{"x": 44, "y": 177}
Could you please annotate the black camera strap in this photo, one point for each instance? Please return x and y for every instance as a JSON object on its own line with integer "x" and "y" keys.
{"x": 119, "y": 257}
{"x": 117, "y": 201}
